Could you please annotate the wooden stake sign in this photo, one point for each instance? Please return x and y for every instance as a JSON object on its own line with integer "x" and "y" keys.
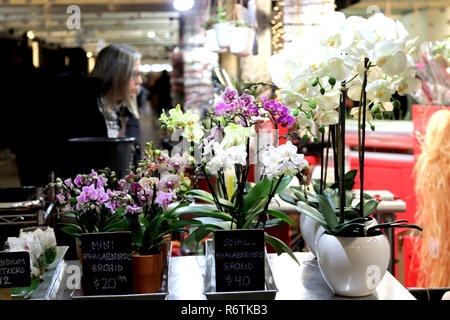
{"x": 14, "y": 272}
{"x": 239, "y": 260}
{"x": 107, "y": 263}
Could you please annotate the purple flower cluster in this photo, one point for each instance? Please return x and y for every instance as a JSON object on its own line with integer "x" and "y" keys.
{"x": 231, "y": 103}
{"x": 278, "y": 111}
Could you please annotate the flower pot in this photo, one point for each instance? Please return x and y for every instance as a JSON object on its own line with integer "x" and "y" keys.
{"x": 166, "y": 247}
{"x": 353, "y": 266}
{"x": 223, "y": 33}
{"x": 309, "y": 228}
{"x": 241, "y": 43}
{"x": 147, "y": 273}
{"x": 211, "y": 41}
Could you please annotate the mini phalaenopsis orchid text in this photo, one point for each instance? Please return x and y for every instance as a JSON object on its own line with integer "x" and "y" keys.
{"x": 226, "y": 157}
{"x": 364, "y": 60}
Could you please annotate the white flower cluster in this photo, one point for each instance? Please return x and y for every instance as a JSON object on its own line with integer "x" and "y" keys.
{"x": 282, "y": 160}
{"x": 226, "y": 158}
{"x": 309, "y": 73}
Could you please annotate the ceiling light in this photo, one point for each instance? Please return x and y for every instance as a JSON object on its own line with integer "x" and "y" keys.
{"x": 183, "y": 5}
{"x": 89, "y": 54}
{"x": 30, "y": 35}
{"x": 151, "y": 34}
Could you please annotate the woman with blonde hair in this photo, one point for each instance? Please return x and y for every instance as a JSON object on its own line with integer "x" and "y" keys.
{"x": 76, "y": 105}
{"x": 432, "y": 188}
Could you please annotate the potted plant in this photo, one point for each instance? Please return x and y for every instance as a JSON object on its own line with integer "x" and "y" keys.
{"x": 223, "y": 27}
{"x": 155, "y": 189}
{"x": 366, "y": 60}
{"x": 226, "y": 153}
{"x": 211, "y": 39}
{"x": 242, "y": 38}
{"x": 89, "y": 203}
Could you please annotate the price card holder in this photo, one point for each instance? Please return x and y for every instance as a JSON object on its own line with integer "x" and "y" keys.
{"x": 14, "y": 272}
{"x": 107, "y": 263}
{"x": 239, "y": 260}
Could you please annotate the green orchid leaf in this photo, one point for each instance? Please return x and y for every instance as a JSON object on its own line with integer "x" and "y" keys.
{"x": 370, "y": 206}
{"x": 198, "y": 234}
{"x": 201, "y": 210}
{"x": 328, "y": 212}
{"x": 289, "y": 196}
{"x": 281, "y": 215}
{"x": 71, "y": 229}
{"x": 311, "y": 212}
{"x": 207, "y": 197}
{"x": 279, "y": 246}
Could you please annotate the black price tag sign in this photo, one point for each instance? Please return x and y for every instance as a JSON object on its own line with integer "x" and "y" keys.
{"x": 239, "y": 260}
{"x": 15, "y": 269}
{"x": 107, "y": 263}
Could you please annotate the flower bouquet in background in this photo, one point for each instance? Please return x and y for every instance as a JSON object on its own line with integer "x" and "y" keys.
{"x": 433, "y": 69}
{"x": 226, "y": 153}
{"x": 367, "y": 61}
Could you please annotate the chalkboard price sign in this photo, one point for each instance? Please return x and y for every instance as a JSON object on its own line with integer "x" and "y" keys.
{"x": 239, "y": 260}
{"x": 15, "y": 269}
{"x": 107, "y": 263}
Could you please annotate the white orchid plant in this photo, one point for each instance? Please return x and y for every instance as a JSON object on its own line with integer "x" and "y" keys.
{"x": 236, "y": 203}
{"x": 365, "y": 60}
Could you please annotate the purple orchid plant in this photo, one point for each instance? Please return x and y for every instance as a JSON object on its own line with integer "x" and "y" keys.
{"x": 142, "y": 202}
{"x": 92, "y": 202}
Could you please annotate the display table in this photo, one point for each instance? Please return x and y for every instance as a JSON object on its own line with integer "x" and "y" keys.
{"x": 294, "y": 282}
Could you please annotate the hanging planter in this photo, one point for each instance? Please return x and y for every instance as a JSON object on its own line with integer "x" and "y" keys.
{"x": 211, "y": 41}
{"x": 353, "y": 266}
{"x": 223, "y": 33}
{"x": 242, "y": 38}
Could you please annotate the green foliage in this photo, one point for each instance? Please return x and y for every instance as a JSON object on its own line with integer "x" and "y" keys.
{"x": 252, "y": 212}
{"x": 324, "y": 208}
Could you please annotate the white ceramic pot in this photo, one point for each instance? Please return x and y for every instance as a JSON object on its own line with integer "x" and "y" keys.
{"x": 211, "y": 41}
{"x": 353, "y": 266}
{"x": 241, "y": 43}
{"x": 223, "y": 33}
{"x": 308, "y": 229}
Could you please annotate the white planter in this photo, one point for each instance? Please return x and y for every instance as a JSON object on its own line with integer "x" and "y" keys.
{"x": 309, "y": 228}
{"x": 223, "y": 33}
{"x": 353, "y": 266}
{"x": 211, "y": 41}
{"x": 242, "y": 41}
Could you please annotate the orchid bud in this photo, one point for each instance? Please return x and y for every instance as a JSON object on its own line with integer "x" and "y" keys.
{"x": 312, "y": 105}
{"x": 315, "y": 82}
{"x": 332, "y": 81}
{"x": 372, "y": 127}
{"x": 295, "y": 112}
{"x": 316, "y": 140}
{"x": 157, "y": 153}
{"x": 305, "y": 137}
{"x": 376, "y": 108}
{"x": 308, "y": 116}
{"x": 322, "y": 129}
{"x": 322, "y": 91}
{"x": 396, "y": 104}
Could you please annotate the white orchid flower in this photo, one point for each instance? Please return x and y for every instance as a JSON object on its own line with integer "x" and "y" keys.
{"x": 379, "y": 90}
{"x": 354, "y": 112}
{"x": 408, "y": 85}
{"x": 291, "y": 99}
{"x": 390, "y": 57}
{"x": 328, "y": 118}
{"x": 282, "y": 160}
{"x": 282, "y": 69}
